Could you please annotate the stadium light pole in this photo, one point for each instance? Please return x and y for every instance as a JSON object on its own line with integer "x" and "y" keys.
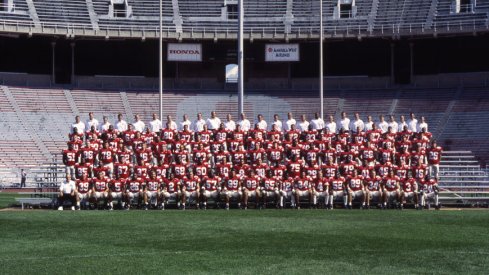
{"x": 161, "y": 60}
{"x": 240, "y": 57}
{"x": 321, "y": 77}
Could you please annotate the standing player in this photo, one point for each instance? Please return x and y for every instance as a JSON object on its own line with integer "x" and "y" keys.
{"x": 434, "y": 158}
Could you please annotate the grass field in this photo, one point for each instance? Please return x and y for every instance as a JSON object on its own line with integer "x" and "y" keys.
{"x": 268, "y": 241}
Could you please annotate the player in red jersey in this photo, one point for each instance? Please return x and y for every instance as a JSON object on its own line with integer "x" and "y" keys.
{"x": 320, "y": 189}
{"x": 144, "y": 155}
{"x": 171, "y": 190}
{"x": 302, "y": 188}
{"x": 286, "y": 186}
{"x": 402, "y": 170}
{"x": 239, "y": 156}
{"x": 251, "y": 190}
{"x": 348, "y": 166}
{"x": 87, "y": 155}
{"x": 83, "y": 191}
{"x": 83, "y": 168}
{"x": 420, "y": 171}
{"x": 151, "y": 190}
{"x": 356, "y": 189}
{"x": 219, "y": 155}
{"x": 260, "y": 168}
{"x": 190, "y": 189}
{"x": 269, "y": 189}
{"x": 122, "y": 170}
{"x": 116, "y": 192}
{"x": 69, "y": 160}
{"x": 106, "y": 157}
{"x": 409, "y": 190}
{"x": 337, "y": 190}
{"x": 294, "y": 167}
{"x": 428, "y": 191}
{"x": 294, "y": 150}
{"x": 128, "y": 136}
{"x": 373, "y": 189}
{"x": 391, "y": 189}
{"x": 231, "y": 189}
{"x": 141, "y": 171}
{"x": 211, "y": 186}
{"x": 100, "y": 190}
{"x": 329, "y": 168}
{"x": 434, "y": 158}
{"x": 179, "y": 169}
{"x": 134, "y": 192}
{"x": 279, "y": 170}
{"x": 201, "y": 169}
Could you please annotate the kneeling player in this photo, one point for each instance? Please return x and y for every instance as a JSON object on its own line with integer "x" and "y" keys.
{"x": 152, "y": 190}
{"x": 302, "y": 189}
{"x": 250, "y": 189}
{"x": 409, "y": 190}
{"x": 190, "y": 189}
{"x": 211, "y": 186}
{"x": 374, "y": 189}
{"x": 270, "y": 189}
{"x": 134, "y": 189}
{"x": 231, "y": 189}
{"x": 337, "y": 190}
{"x": 429, "y": 192}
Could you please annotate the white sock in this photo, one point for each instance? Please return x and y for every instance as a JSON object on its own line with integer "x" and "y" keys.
{"x": 314, "y": 200}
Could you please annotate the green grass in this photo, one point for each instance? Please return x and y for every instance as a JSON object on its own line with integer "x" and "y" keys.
{"x": 249, "y": 242}
{"x": 7, "y": 199}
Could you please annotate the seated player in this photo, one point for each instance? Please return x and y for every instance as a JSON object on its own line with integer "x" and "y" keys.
{"x": 134, "y": 190}
{"x": 337, "y": 190}
{"x": 152, "y": 190}
{"x": 251, "y": 189}
{"x": 409, "y": 190}
{"x": 269, "y": 189}
{"x": 116, "y": 192}
{"x": 286, "y": 187}
{"x": 429, "y": 192}
{"x": 373, "y": 189}
{"x": 320, "y": 189}
{"x": 391, "y": 189}
{"x": 210, "y": 189}
{"x": 67, "y": 192}
{"x": 355, "y": 188}
{"x": 302, "y": 189}
{"x": 231, "y": 189}
{"x": 171, "y": 190}
{"x": 82, "y": 191}
{"x": 100, "y": 190}
{"x": 190, "y": 189}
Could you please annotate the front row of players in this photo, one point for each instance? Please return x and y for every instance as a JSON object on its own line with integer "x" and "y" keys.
{"x": 156, "y": 192}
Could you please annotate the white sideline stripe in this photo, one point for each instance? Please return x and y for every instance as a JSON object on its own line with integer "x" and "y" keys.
{"x": 93, "y": 255}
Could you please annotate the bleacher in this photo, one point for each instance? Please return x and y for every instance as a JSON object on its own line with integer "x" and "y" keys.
{"x": 63, "y": 11}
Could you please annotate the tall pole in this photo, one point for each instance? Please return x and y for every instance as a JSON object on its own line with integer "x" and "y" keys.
{"x": 161, "y": 59}
{"x": 321, "y": 77}
{"x": 240, "y": 57}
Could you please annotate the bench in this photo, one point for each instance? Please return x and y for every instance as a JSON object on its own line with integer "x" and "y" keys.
{"x": 33, "y": 201}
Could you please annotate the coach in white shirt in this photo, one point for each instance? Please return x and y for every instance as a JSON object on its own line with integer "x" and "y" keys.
{"x": 344, "y": 122}
{"x": 229, "y": 125}
{"x": 357, "y": 123}
{"x": 383, "y": 125}
{"x": 276, "y": 124}
{"x": 67, "y": 192}
{"x": 105, "y": 126}
{"x": 92, "y": 121}
{"x": 290, "y": 121}
{"x": 185, "y": 121}
{"x": 155, "y": 125}
{"x": 262, "y": 124}
{"x": 413, "y": 123}
{"x": 173, "y": 124}
{"x": 244, "y": 123}
{"x": 213, "y": 122}
{"x": 304, "y": 124}
{"x": 422, "y": 125}
{"x": 121, "y": 124}
{"x": 331, "y": 125}
{"x": 402, "y": 123}
{"x": 393, "y": 124}
{"x": 369, "y": 125}
{"x": 199, "y": 123}
{"x": 317, "y": 123}
{"x": 79, "y": 125}
{"x": 138, "y": 124}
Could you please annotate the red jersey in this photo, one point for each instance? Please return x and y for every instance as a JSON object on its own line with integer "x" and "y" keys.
{"x": 161, "y": 170}
{"x": 408, "y": 185}
{"x": 391, "y": 183}
{"x": 434, "y": 155}
{"x": 179, "y": 170}
{"x": 260, "y": 170}
{"x": 402, "y": 171}
{"x": 383, "y": 169}
{"x": 172, "y": 186}
{"x": 257, "y": 154}
{"x": 69, "y": 157}
{"x": 141, "y": 171}
{"x": 186, "y": 136}
{"x": 87, "y": 155}
{"x": 125, "y": 155}
{"x": 373, "y": 184}
{"x": 83, "y": 186}
{"x": 312, "y": 171}
{"x": 238, "y": 156}
{"x": 144, "y": 156}
{"x": 321, "y": 184}
{"x": 428, "y": 186}
{"x": 167, "y": 135}
{"x": 134, "y": 185}
{"x": 232, "y": 184}
{"x": 355, "y": 183}
{"x": 128, "y": 136}
{"x": 100, "y": 185}
{"x": 211, "y": 184}
{"x": 242, "y": 170}
{"x": 420, "y": 171}
{"x": 287, "y": 185}
{"x": 191, "y": 184}
{"x": 201, "y": 170}
{"x": 122, "y": 170}
{"x": 337, "y": 184}
{"x": 251, "y": 183}
{"x": 329, "y": 171}
{"x": 348, "y": 167}
{"x": 368, "y": 154}
{"x": 302, "y": 184}
{"x": 117, "y": 185}
{"x": 278, "y": 171}
{"x": 223, "y": 169}
{"x": 82, "y": 169}
{"x": 270, "y": 184}
{"x": 294, "y": 168}
{"x": 106, "y": 156}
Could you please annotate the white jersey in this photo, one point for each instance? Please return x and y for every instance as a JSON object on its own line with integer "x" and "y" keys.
{"x": 213, "y": 123}
{"x": 394, "y": 126}
{"x": 230, "y": 125}
{"x": 139, "y": 126}
{"x": 383, "y": 126}
{"x": 288, "y": 124}
{"x": 245, "y": 125}
{"x": 345, "y": 124}
{"x": 277, "y": 124}
{"x": 413, "y": 125}
{"x": 199, "y": 125}
{"x": 401, "y": 126}
{"x": 332, "y": 127}
{"x": 173, "y": 125}
{"x": 357, "y": 123}
{"x": 317, "y": 124}
{"x": 104, "y": 127}
{"x": 303, "y": 126}
{"x": 423, "y": 125}
{"x": 262, "y": 125}
{"x": 80, "y": 126}
{"x": 369, "y": 125}
{"x": 155, "y": 125}
{"x": 90, "y": 123}
{"x": 121, "y": 126}
{"x": 67, "y": 187}
{"x": 186, "y": 122}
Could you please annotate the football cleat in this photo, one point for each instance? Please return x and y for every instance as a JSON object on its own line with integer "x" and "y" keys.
{"x": 60, "y": 208}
